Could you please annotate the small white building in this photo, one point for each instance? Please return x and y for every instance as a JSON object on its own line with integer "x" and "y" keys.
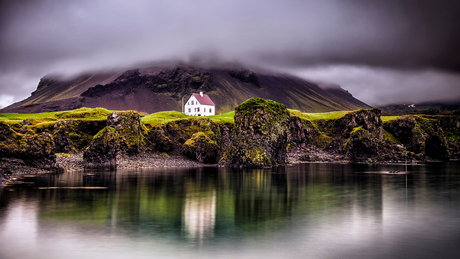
{"x": 199, "y": 105}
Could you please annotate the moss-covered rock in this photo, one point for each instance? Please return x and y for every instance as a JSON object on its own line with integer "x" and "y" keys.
{"x": 200, "y": 147}
{"x": 61, "y": 139}
{"x": 157, "y": 140}
{"x": 406, "y": 130}
{"x": 102, "y": 153}
{"x": 361, "y": 145}
{"x": 260, "y": 135}
{"x": 34, "y": 149}
{"x": 368, "y": 119}
{"x": 128, "y": 126}
{"x": 170, "y": 136}
{"x": 303, "y": 132}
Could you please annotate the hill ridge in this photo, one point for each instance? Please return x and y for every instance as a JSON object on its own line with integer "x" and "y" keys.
{"x": 161, "y": 88}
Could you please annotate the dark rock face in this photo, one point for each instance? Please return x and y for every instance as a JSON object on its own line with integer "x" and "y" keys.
{"x": 368, "y": 119}
{"x": 37, "y": 150}
{"x": 361, "y": 145}
{"x": 449, "y": 123}
{"x": 436, "y": 146}
{"x": 176, "y": 82}
{"x": 61, "y": 139}
{"x": 102, "y": 153}
{"x": 302, "y": 131}
{"x": 128, "y": 127}
{"x": 260, "y": 135}
{"x": 245, "y": 76}
{"x": 404, "y": 129}
{"x": 157, "y": 140}
{"x": 201, "y": 148}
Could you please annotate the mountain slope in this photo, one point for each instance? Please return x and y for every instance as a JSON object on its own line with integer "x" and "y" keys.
{"x": 154, "y": 89}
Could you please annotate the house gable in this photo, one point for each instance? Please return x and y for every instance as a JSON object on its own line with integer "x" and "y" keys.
{"x": 199, "y": 105}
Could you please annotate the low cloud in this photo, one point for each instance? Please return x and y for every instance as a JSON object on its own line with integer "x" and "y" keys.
{"x": 46, "y": 36}
{"x": 380, "y": 86}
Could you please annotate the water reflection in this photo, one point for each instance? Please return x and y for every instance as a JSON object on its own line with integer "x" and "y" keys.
{"x": 320, "y": 210}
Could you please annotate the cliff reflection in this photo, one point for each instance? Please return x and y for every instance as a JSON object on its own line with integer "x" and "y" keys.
{"x": 205, "y": 203}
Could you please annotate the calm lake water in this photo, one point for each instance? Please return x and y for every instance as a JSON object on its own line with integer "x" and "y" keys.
{"x": 298, "y": 211}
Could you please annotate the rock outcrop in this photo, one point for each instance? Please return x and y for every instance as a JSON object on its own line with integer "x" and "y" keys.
{"x": 34, "y": 149}
{"x": 260, "y": 135}
{"x": 404, "y": 129}
{"x": 128, "y": 127}
{"x": 61, "y": 139}
{"x": 102, "y": 152}
{"x": 170, "y": 136}
{"x": 200, "y": 147}
{"x": 367, "y": 119}
{"x": 436, "y": 145}
{"x": 122, "y": 134}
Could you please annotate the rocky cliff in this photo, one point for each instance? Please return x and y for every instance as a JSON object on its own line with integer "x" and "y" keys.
{"x": 260, "y": 135}
{"x": 264, "y": 133}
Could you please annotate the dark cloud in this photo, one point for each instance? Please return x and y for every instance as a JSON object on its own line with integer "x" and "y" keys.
{"x": 38, "y": 37}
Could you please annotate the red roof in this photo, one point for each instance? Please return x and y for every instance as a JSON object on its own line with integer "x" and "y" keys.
{"x": 204, "y": 100}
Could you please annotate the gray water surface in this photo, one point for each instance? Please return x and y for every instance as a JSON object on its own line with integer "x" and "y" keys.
{"x": 298, "y": 211}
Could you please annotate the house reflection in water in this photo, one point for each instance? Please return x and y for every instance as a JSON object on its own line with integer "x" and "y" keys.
{"x": 199, "y": 215}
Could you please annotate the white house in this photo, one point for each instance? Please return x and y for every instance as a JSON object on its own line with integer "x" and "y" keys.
{"x": 199, "y": 105}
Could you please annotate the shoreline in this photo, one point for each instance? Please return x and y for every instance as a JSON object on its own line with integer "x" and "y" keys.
{"x": 16, "y": 170}
{"x": 12, "y": 168}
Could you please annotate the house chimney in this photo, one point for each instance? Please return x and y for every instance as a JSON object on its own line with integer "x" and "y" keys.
{"x": 201, "y": 93}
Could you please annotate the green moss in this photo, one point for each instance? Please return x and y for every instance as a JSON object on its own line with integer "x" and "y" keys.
{"x": 63, "y": 155}
{"x": 389, "y": 118}
{"x": 390, "y": 137}
{"x": 257, "y": 157}
{"x": 356, "y": 130}
{"x": 453, "y": 136}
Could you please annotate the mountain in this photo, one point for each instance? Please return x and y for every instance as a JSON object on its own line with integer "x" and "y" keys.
{"x": 160, "y": 88}
{"x": 433, "y": 108}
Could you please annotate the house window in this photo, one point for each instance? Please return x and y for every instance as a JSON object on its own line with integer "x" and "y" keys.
{"x": 189, "y": 110}
{"x": 198, "y": 109}
{"x": 210, "y": 110}
{"x": 192, "y": 102}
{"x": 204, "y": 109}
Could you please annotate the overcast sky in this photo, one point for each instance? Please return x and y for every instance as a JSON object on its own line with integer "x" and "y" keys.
{"x": 383, "y": 52}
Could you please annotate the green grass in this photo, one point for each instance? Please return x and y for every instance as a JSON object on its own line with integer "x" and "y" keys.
{"x": 225, "y": 118}
{"x": 390, "y": 137}
{"x": 47, "y": 117}
{"x": 319, "y": 116}
{"x": 163, "y": 117}
{"x": 389, "y": 118}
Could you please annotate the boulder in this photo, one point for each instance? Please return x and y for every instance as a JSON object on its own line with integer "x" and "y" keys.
{"x": 200, "y": 147}
{"x": 361, "y": 145}
{"x": 128, "y": 126}
{"x": 102, "y": 152}
{"x": 260, "y": 135}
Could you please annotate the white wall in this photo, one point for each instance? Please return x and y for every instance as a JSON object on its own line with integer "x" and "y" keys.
{"x": 192, "y": 109}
